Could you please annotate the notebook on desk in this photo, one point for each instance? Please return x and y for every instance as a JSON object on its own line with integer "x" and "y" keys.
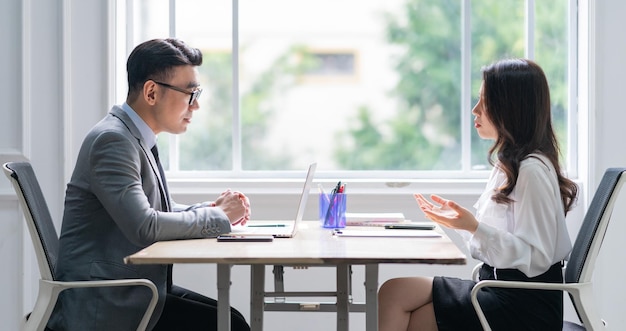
{"x": 280, "y": 229}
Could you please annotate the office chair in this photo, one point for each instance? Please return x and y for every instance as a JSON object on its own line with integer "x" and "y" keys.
{"x": 46, "y": 243}
{"x": 580, "y": 265}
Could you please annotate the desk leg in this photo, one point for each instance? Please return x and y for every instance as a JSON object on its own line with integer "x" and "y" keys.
{"x": 371, "y": 297}
{"x": 343, "y": 275}
{"x": 223, "y": 297}
{"x": 257, "y": 296}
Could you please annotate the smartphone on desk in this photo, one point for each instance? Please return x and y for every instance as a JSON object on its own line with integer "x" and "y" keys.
{"x": 240, "y": 238}
{"x": 409, "y": 226}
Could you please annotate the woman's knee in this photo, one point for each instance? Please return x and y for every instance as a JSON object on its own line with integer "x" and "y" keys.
{"x": 402, "y": 289}
{"x": 390, "y": 289}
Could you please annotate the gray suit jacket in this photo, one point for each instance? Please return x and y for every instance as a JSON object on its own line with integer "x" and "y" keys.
{"x": 112, "y": 210}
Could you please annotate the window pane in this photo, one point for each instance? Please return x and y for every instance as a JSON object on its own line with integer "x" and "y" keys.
{"x": 551, "y": 52}
{"x": 355, "y": 85}
{"x": 498, "y": 31}
{"x": 207, "y": 25}
{"x": 150, "y": 16}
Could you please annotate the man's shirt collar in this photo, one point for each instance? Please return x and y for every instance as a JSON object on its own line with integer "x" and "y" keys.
{"x": 147, "y": 135}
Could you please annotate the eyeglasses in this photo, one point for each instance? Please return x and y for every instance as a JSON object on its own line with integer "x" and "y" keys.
{"x": 194, "y": 95}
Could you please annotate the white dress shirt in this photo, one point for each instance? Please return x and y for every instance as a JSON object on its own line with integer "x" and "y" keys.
{"x": 528, "y": 234}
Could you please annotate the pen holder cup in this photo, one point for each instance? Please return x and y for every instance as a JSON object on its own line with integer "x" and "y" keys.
{"x": 332, "y": 210}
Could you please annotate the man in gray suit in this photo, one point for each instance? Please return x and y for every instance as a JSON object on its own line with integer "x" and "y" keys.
{"x": 117, "y": 203}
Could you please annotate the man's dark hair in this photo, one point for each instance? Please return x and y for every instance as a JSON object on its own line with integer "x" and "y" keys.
{"x": 155, "y": 59}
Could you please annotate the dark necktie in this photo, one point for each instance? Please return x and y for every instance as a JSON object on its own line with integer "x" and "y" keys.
{"x": 165, "y": 203}
{"x": 165, "y": 193}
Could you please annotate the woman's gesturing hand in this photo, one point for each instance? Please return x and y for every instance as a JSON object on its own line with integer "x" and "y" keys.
{"x": 447, "y": 213}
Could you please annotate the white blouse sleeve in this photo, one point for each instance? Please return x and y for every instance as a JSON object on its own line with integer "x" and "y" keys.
{"x": 526, "y": 234}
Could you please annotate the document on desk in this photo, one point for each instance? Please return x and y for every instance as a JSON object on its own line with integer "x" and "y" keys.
{"x": 387, "y": 233}
{"x": 374, "y": 219}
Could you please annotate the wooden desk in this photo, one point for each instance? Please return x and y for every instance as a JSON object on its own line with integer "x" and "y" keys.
{"x": 312, "y": 246}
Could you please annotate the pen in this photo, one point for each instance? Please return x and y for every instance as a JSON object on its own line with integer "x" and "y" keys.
{"x": 337, "y": 188}
{"x": 267, "y": 226}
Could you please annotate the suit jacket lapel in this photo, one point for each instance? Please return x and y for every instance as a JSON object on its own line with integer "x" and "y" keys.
{"x": 123, "y": 117}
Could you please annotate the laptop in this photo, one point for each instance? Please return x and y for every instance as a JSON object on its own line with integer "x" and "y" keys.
{"x": 279, "y": 229}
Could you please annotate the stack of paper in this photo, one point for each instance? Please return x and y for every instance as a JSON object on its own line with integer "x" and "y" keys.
{"x": 374, "y": 219}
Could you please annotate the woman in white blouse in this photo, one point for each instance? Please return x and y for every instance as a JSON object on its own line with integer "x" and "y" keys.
{"x": 518, "y": 230}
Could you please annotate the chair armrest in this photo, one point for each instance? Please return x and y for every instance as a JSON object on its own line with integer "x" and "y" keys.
{"x": 49, "y": 292}
{"x": 568, "y": 287}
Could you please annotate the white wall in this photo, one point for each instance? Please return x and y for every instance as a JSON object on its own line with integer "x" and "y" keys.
{"x": 608, "y": 104}
{"x": 55, "y": 66}
{"x": 30, "y": 128}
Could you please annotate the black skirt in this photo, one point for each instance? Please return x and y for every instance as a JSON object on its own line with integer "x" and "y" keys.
{"x": 505, "y": 309}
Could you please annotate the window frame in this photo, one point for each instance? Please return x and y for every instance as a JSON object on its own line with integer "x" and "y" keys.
{"x": 464, "y": 180}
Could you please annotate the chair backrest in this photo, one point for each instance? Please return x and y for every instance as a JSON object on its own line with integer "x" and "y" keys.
{"x": 38, "y": 219}
{"x": 591, "y": 234}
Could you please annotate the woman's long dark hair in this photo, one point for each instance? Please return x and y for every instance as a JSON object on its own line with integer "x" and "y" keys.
{"x": 517, "y": 101}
